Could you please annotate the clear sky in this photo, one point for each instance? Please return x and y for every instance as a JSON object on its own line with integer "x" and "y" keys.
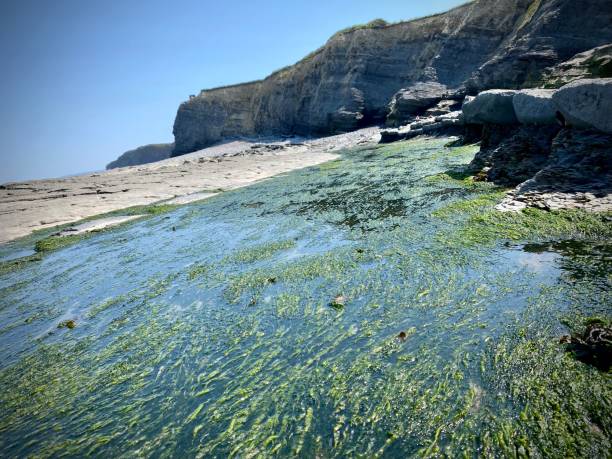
{"x": 82, "y": 81}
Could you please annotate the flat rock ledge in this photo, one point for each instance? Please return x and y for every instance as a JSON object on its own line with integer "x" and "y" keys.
{"x": 38, "y": 204}
{"x": 516, "y": 201}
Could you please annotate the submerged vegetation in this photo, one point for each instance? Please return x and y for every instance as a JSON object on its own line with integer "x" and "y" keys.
{"x": 57, "y": 241}
{"x": 375, "y": 305}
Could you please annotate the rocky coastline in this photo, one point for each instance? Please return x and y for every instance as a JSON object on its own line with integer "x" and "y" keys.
{"x": 498, "y": 72}
{"x": 373, "y": 74}
{"x": 552, "y": 145}
{"x": 529, "y": 80}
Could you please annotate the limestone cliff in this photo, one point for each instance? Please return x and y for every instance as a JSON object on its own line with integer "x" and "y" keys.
{"x": 350, "y": 81}
{"x": 142, "y": 155}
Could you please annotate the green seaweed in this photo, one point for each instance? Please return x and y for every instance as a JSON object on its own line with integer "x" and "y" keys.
{"x": 260, "y": 252}
{"x": 18, "y": 264}
{"x": 221, "y": 342}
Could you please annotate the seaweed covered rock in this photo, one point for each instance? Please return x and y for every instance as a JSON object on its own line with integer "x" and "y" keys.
{"x": 535, "y": 106}
{"x": 491, "y": 107}
{"x": 586, "y": 104}
{"x": 593, "y": 345}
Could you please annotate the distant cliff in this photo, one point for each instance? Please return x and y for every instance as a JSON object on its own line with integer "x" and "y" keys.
{"x": 142, "y": 155}
{"x": 349, "y": 82}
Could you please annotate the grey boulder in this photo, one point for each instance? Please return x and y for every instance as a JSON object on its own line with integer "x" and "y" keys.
{"x": 490, "y": 107}
{"x": 534, "y": 106}
{"x": 586, "y": 104}
{"x": 413, "y": 100}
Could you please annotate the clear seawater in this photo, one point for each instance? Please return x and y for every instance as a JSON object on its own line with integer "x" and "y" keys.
{"x": 208, "y": 331}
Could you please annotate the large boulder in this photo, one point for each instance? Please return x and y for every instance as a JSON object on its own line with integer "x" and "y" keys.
{"x": 534, "y": 106}
{"x": 490, "y": 107}
{"x": 414, "y": 100}
{"x": 586, "y": 104}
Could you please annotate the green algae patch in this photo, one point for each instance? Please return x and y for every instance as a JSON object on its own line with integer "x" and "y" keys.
{"x": 56, "y": 241}
{"x": 222, "y": 342}
{"x": 459, "y": 178}
{"x": 261, "y": 251}
{"x": 51, "y": 243}
{"x": 18, "y": 264}
{"x": 538, "y": 224}
{"x": 330, "y": 165}
{"x": 198, "y": 271}
{"x": 151, "y": 209}
{"x": 480, "y": 223}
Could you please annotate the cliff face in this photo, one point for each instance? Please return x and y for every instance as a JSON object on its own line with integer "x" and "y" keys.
{"x": 349, "y": 82}
{"x": 550, "y": 32}
{"x": 142, "y": 155}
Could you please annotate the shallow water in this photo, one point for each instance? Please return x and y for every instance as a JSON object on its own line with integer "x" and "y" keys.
{"x": 208, "y": 331}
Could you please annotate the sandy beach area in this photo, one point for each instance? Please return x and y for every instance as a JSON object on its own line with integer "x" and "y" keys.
{"x": 28, "y": 206}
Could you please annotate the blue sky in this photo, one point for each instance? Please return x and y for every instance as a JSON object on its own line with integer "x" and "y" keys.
{"x": 84, "y": 80}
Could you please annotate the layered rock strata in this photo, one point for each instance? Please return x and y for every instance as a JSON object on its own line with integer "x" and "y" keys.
{"x": 350, "y": 81}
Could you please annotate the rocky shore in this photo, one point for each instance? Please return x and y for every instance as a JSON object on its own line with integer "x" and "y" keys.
{"x": 553, "y": 145}
{"x": 528, "y": 79}
{"x": 38, "y": 204}
{"x": 499, "y": 72}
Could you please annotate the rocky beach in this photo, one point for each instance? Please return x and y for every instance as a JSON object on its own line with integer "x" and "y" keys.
{"x": 40, "y": 204}
{"x": 399, "y": 246}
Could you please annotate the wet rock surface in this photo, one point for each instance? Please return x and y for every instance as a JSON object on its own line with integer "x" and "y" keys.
{"x": 28, "y": 206}
{"x": 593, "y": 346}
{"x": 513, "y": 154}
{"x": 577, "y": 174}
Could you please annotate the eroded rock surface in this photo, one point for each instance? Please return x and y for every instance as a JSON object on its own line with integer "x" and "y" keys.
{"x": 414, "y": 100}
{"x": 549, "y": 32}
{"x": 535, "y": 106}
{"x": 586, "y": 104}
{"x": 576, "y": 174}
{"x": 514, "y": 154}
{"x": 490, "y": 107}
{"x": 448, "y": 124}
{"x": 594, "y": 63}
